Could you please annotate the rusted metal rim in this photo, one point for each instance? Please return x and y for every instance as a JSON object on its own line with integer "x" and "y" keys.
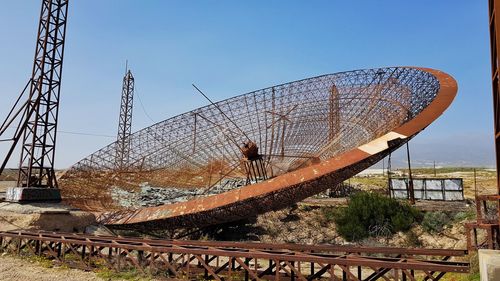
{"x": 308, "y": 179}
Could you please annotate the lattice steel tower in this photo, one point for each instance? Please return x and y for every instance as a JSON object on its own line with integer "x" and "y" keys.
{"x": 36, "y": 168}
{"x": 125, "y": 122}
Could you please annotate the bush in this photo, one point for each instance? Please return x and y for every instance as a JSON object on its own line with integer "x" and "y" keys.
{"x": 462, "y": 216}
{"x": 329, "y": 213}
{"x": 372, "y": 214}
{"x": 435, "y": 221}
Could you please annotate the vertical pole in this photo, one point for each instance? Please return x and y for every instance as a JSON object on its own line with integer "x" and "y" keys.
{"x": 283, "y": 140}
{"x": 246, "y": 262}
{"x": 475, "y": 186}
{"x": 84, "y": 247}
{"x": 334, "y": 114}
{"x": 37, "y": 246}
{"x": 489, "y": 236}
{"x": 495, "y": 49}
{"x": 206, "y": 270}
{"x": 59, "y": 249}
{"x": 194, "y": 133}
{"x": 475, "y": 238}
{"x": 125, "y": 122}
{"x": 273, "y": 108}
{"x": 443, "y": 190}
{"x": 389, "y": 166}
{"x": 434, "y": 168}
{"x": 410, "y": 179}
{"x": 277, "y": 271}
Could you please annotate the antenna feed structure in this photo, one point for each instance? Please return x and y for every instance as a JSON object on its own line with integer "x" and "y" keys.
{"x": 251, "y": 151}
{"x": 253, "y": 163}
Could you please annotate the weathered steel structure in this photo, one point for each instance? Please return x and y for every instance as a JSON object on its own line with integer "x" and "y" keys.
{"x": 125, "y": 121}
{"x": 307, "y": 135}
{"x": 37, "y": 117}
{"x": 205, "y": 260}
{"x": 485, "y": 231}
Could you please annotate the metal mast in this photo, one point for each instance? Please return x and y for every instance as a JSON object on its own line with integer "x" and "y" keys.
{"x": 495, "y": 49}
{"x": 125, "y": 121}
{"x": 36, "y": 168}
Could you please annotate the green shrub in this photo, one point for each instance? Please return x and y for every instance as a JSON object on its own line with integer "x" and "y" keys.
{"x": 466, "y": 215}
{"x": 435, "y": 221}
{"x": 373, "y": 214}
{"x": 329, "y": 213}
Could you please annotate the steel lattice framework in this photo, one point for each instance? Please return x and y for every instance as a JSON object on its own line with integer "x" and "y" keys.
{"x": 125, "y": 121}
{"x": 207, "y": 260}
{"x": 39, "y": 140}
{"x": 308, "y": 134}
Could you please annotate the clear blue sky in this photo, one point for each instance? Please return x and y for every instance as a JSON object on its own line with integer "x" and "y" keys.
{"x": 232, "y": 47}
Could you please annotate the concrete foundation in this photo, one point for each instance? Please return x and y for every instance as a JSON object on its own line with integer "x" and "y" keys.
{"x": 44, "y": 216}
{"x": 489, "y": 265}
{"x": 32, "y": 194}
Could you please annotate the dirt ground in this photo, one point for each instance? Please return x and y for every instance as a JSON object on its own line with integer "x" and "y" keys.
{"x": 17, "y": 269}
{"x": 307, "y": 222}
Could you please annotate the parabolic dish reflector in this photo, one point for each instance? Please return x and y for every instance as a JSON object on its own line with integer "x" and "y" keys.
{"x": 260, "y": 151}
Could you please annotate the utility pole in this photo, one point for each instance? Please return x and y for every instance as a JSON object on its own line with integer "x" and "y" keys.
{"x": 125, "y": 122}
{"x": 410, "y": 178}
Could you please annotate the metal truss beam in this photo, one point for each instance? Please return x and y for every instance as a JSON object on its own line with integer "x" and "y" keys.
{"x": 125, "y": 122}
{"x": 494, "y": 25}
{"x": 233, "y": 260}
{"x": 36, "y": 168}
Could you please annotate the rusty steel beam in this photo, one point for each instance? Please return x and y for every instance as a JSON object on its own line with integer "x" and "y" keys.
{"x": 318, "y": 248}
{"x": 228, "y": 260}
{"x": 494, "y": 26}
{"x": 36, "y": 168}
{"x": 375, "y": 111}
{"x": 488, "y": 225}
{"x": 125, "y": 122}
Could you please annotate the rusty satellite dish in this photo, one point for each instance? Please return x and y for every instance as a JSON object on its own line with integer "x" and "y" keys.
{"x": 260, "y": 151}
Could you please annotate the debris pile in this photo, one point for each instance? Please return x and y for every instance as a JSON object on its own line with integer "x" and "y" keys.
{"x": 148, "y": 196}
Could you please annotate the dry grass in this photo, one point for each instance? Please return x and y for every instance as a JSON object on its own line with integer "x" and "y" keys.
{"x": 485, "y": 181}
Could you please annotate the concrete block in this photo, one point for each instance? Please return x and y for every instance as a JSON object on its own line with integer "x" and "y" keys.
{"x": 32, "y": 194}
{"x": 489, "y": 265}
{"x": 44, "y": 216}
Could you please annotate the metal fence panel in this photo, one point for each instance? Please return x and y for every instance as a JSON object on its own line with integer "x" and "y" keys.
{"x": 448, "y": 189}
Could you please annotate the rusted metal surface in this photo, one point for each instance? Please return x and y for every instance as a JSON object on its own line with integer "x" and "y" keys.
{"x": 337, "y": 126}
{"x": 482, "y": 236}
{"x": 494, "y": 27}
{"x": 37, "y": 117}
{"x": 484, "y": 233}
{"x": 125, "y": 122}
{"x": 236, "y": 260}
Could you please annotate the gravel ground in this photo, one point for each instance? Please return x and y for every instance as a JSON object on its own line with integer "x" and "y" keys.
{"x": 22, "y": 270}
